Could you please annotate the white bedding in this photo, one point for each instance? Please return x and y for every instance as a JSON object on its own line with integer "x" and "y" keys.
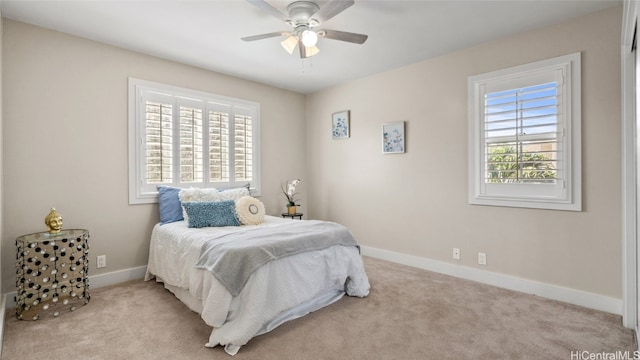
{"x": 279, "y": 291}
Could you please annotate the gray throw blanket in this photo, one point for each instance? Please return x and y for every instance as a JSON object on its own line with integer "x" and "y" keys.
{"x": 234, "y": 257}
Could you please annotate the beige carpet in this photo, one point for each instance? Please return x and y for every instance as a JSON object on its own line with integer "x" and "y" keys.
{"x": 410, "y": 314}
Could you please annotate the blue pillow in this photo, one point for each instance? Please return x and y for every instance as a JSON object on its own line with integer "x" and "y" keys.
{"x": 211, "y": 214}
{"x": 169, "y": 204}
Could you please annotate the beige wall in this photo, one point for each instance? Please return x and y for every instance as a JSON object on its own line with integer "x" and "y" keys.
{"x": 65, "y": 139}
{"x": 65, "y": 145}
{"x": 416, "y": 203}
{"x": 1, "y": 153}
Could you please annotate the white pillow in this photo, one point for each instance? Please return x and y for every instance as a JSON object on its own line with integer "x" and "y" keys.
{"x": 198, "y": 195}
{"x": 234, "y": 194}
{"x": 250, "y": 211}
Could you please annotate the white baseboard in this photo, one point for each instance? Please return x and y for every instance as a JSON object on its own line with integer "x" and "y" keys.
{"x": 3, "y": 304}
{"x": 117, "y": 277}
{"x": 95, "y": 281}
{"x": 550, "y": 291}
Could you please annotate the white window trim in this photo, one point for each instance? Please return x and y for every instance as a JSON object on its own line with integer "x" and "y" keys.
{"x": 136, "y": 134}
{"x": 519, "y": 195}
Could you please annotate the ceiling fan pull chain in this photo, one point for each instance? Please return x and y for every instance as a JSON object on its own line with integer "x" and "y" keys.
{"x": 304, "y": 61}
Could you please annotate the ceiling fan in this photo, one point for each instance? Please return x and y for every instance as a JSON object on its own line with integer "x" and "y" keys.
{"x": 304, "y": 16}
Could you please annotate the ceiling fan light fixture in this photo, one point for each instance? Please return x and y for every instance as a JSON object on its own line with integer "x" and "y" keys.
{"x": 310, "y": 51}
{"x": 309, "y": 38}
{"x": 290, "y": 43}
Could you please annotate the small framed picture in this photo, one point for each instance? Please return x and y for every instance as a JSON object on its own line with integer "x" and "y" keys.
{"x": 393, "y": 138}
{"x": 340, "y": 124}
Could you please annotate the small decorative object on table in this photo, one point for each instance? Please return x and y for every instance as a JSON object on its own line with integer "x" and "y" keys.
{"x": 290, "y": 193}
{"x": 52, "y": 270}
{"x": 53, "y": 220}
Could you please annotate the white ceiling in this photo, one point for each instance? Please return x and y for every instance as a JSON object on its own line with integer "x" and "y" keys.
{"x": 206, "y": 33}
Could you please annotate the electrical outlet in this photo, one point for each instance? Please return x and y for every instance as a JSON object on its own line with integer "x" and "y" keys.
{"x": 101, "y": 261}
{"x": 456, "y": 254}
{"x": 482, "y": 258}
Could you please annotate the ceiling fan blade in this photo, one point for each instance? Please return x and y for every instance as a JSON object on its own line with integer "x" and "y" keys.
{"x": 343, "y": 36}
{"x": 269, "y": 9}
{"x": 331, "y": 9}
{"x": 265, "y": 36}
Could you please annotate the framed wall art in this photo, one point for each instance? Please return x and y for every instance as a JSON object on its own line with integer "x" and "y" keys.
{"x": 393, "y": 138}
{"x": 340, "y": 124}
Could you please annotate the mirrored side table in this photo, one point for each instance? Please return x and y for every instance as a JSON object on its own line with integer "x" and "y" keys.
{"x": 52, "y": 273}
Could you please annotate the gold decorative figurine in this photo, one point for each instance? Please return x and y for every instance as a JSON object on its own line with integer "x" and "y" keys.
{"x": 53, "y": 221}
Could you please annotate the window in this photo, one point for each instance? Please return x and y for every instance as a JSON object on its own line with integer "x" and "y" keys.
{"x": 524, "y": 135}
{"x": 187, "y": 138}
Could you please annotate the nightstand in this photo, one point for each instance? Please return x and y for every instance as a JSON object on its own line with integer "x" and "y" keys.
{"x": 293, "y": 216}
{"x": 52, "y": 273}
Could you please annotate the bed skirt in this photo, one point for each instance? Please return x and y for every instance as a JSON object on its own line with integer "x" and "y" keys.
{"x": 323, "y": 300}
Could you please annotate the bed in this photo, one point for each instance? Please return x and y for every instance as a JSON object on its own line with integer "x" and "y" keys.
{"x": 240, "y": 304}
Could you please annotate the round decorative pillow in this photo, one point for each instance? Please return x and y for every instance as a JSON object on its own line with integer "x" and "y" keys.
{"x": 250, "y": 210}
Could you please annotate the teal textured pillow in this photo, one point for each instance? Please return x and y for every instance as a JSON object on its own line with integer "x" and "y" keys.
{"x": 211, "y": 214}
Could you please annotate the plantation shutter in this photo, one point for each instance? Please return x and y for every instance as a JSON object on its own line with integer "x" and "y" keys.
{"x": 186, "y": 138}
{"x": 231, "y": 144}
{"x": 219, "y": 165}
{"x": 158, "y": 133}
{"x": 242, "y": 145}
{"x": 524, "y": 133}
{"x": 521, "y": 127}
{"x": 191, "y": 137}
